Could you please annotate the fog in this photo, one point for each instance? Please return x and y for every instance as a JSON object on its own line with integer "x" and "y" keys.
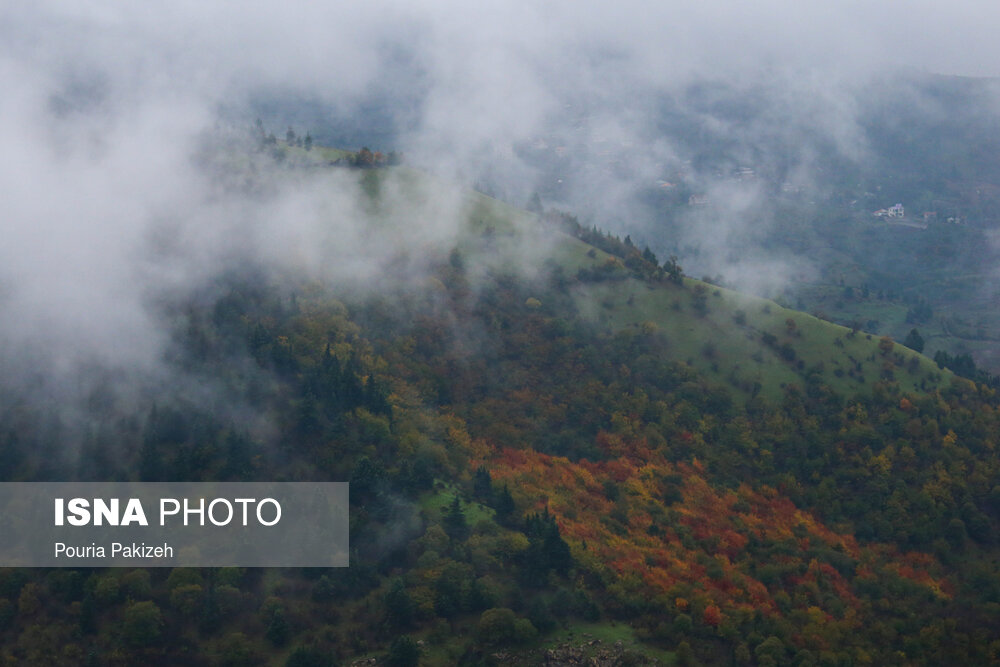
{"x": 106, "y": 105}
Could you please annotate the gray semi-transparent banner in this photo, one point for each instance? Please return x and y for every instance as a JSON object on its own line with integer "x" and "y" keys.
{"x": 172, "y": 524}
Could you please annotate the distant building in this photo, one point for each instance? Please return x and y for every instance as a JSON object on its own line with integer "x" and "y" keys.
{"x": 930, "y": 215}
{"x": 896, "y": 211}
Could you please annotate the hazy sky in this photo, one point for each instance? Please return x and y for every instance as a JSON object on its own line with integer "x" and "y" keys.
{"x": 103, "y": 104}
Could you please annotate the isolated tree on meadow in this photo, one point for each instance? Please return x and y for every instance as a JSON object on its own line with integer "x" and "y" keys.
{"x": 454, "y": 522}
{"x": 674, "y": 270}
{"x": 914, "y": 341}
{"x": 885, "y": 345}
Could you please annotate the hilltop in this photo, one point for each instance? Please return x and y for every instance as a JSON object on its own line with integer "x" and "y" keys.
{"x": 751, "y": 345}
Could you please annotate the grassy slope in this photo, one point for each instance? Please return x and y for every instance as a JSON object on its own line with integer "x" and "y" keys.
{"x": 724, "y": 340}
{"x": 713, "y": 342}
{"x": 951, "y": 329}
{"x": 729, "y": 352}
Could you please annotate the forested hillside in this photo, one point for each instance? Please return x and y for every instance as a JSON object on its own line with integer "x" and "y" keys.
{"x": 558, "y": 445}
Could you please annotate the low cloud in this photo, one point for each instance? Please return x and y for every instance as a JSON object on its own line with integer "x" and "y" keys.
{"x": 107, "y": 105}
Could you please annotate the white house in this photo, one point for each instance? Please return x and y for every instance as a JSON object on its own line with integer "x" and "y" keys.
{"x": 891, "y": 212}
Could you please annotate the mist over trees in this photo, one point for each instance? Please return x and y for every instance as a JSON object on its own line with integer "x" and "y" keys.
{"x": 217, "y": 265}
